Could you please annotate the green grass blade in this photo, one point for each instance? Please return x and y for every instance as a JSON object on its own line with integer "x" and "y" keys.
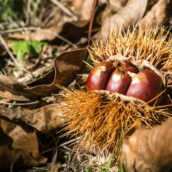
{"x": 84, "y": 168}
{"x": 120, "y": 145}
{"x": 108, "y": 165}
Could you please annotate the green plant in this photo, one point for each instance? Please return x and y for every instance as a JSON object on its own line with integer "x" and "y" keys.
{"x": 12, "y": 9}
{"x": 26, "y": 47}
{"x": 90, "y": 168}
{"x": 90, "y": 62}
{"x": 120, "y": 145}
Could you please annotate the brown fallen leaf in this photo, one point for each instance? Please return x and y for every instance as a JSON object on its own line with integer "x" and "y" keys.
{"x": 70, "y": 33}
{"x": 87, "y": 9}
{"x": 43, "y": 119}
{"x": 2, "y": 51}
{"x": 66, "y": 67}
{"x": 84, "y": 8}
{"x": 117, "y": 4}
{"x": 160, "y": 14}
{"x": 148, "y": 149}
{"x": 18, "y": 146}
{"x": 127, "y": 16}
{"x": 40, "y": 34}
{"x": 77, "y": 4}
{"x": 13, "y": 90}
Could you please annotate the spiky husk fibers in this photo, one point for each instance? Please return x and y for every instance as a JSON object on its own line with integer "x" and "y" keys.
{"x": 97, "y": 116}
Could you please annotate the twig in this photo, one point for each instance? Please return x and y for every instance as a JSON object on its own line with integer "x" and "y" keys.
{"x": 13, "y": 58}
{"x": 9, "y": 52}
{"x": 63, "y": 144}
{"x": 60, "y": 37}
{"x": 18, "y": 104}
{"x": 33, "y": 28}
{"x": 28, "y": 12}
{"x": 90, "y": 29}
{"x": 64, "y": 9}
{"x": 11, "y": 167}
{"x": 91, "y": 20}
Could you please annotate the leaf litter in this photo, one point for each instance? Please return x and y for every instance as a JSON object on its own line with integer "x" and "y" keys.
{"x": 18, "y": 145}
{"x": 147, "y": 149}
{"x": 28, "y": 128}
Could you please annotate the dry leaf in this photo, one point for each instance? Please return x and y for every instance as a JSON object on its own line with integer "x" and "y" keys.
{"x": 77, "y": 4}
{"x": 71, "y": 31}
{"x": 126, "y": 16}
{"x": 117, "y": 4}
{"x": 66, "y": 66}
{"x": 40, "y": 34}
{"x": 84, "y": 8}
{"x": 87, "y": 9}
{"x": 18, "y": 146}
{"x": 13, "y": 90}
{"x": 43, "y": 119}
{"x": 2, "y": 51}
{"x": 148, "y": 149}
{"x": 159, "y": 14}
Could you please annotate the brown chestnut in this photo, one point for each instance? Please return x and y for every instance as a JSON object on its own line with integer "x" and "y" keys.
{"x": 146, "y": 85}
{"x": 132, "y": 69}
{"x": 99, "y": 76}
{"x": 118, "y": 82}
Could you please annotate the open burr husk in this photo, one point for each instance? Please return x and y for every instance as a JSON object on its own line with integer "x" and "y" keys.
{"x": 97, "y": 116}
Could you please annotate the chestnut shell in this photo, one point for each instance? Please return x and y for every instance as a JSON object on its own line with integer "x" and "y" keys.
{"x": 99, "y": 76}
{"x": 145, "y": 86}
{"x": 118, "y": 82}
{"x": 132, "y": 69}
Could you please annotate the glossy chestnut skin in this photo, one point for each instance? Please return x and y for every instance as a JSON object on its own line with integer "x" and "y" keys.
{"x": 99, "y": 76}
{"x": 131, "y": 69}
{"x": 118, "y": 82}
{"x": 146, "y": 85}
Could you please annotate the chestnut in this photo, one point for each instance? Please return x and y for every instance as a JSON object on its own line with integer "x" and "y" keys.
{"x": 146, "y": 85}
{"x": 99, "y": 76}
{"x": 118, "y": 82}
{"x": 132, "y": 69}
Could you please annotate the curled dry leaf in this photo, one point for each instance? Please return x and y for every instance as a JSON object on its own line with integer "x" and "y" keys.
{"x": 148, "y": 149}
{"x": 18, "y": 145}
{"x": 126, "y": 16}
{"x": 159, "y": 14}
{"x": 66, "y": 66}
{"x": 43, "y": 119}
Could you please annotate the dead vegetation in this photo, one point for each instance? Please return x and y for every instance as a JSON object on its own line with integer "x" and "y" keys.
{"x": 48, "y": 122}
